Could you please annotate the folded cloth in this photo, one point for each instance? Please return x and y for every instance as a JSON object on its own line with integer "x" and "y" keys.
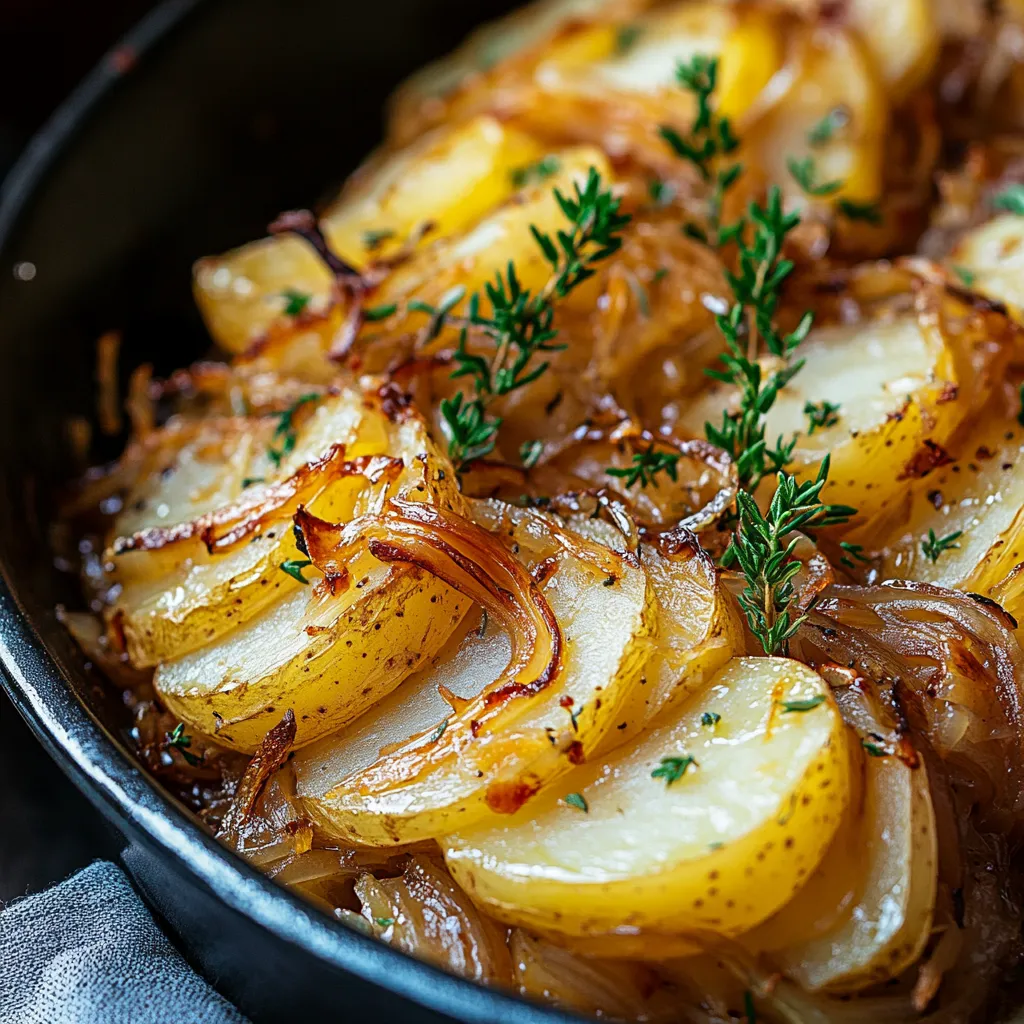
{"x": 88, "y": 952}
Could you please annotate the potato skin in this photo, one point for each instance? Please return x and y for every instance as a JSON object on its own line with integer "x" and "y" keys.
{"x": 333, "y": 677}
{"x": 644, "y": 864}
{"x": 469, "y": 776}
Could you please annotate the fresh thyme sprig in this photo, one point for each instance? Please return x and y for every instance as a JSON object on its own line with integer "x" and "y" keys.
{"x": 821, "y": 415}
{"x": 519, "y": 323}
{"x": 177, "y": 738}
{"x": 285, "y": 432}
{"x": 805, "y": 174}
{"x": 751, "y": 319}
{"x": 1011, "y": 199}
{"x": 870, "y": 213}
{"x": 295, "y": 301}
{"x": 933, "y": 546}
{"x": 646, "y": 466}
{"x": 709, "y": 140}
{"x": 765, "y": 555}
{"x": 672, "y": 769}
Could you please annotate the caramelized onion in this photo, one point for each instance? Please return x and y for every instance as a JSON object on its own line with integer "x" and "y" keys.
{"x": 271, "y": 755}
{"x": 467, "y": 558}
{"x": 225, "y": 528}
{"x": 948, "y": 662}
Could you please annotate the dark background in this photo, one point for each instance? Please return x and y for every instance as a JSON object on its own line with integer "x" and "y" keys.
{"x": 47, "y": 830}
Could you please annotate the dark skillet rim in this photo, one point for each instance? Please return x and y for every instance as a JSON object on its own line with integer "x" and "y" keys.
{"x": 101, "y": 767}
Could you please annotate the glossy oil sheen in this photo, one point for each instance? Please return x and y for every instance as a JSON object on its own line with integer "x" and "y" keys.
{"x": 208, "y": 120}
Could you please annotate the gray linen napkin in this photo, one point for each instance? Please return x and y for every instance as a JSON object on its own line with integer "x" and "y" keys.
{"x": 88, "y": 952}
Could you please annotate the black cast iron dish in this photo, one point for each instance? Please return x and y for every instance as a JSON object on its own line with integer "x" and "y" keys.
{"x": 190, "y": 136}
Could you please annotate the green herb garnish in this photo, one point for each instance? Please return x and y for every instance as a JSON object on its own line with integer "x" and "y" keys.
{"x": 755, "y": 288}
{"x": 748, "y": 1007}
{"x": 374, "y": 239}
{"x": 530, "y": 452}
{"x": 661, "y": 192}
{"x": 646, "y": 466}
{"x": 805, "y": 174}
{"x": 822, "y": 415}
{"x": 766, "y": 557}
{"x": 536, "y": 172}
{"x": 294, "y": 566}
{"x": 519, "y": 323}
{"x": 438, "y": 732}
{"x": 672, "y": 769}
{"x": 626, "y": 37}
{"x": 295, "y": 302}
{"x": 709, "y": 140}
{"x": 576, "y": 800}
{"x": 1011, "y": 198}
{"x": 375, "y": 313}
{"x": 709, "y": 719}
{"x": 852, "y": 210}
{"x": 967, "y": 277}
{"x": 854, "y": 551}
{"x": 176, "y": 738}
{"x": 933, "y": 546}
{"x": 809, "y": 704}
{"x": 822, "y": 132}
{"x": 285, "y": 431}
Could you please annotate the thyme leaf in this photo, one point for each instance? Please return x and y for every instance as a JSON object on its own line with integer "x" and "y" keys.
{"x": 672, "y": 769}
{"x": 933, "y": 545}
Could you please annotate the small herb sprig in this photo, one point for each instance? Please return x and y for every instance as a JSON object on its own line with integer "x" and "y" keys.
{"x": 750, "y": 321}
{"x": 285, "y": 432}
{"x": 709, "y": 140}
{"x": 821, "y": 415}
{"x": 933, "y": 546}
{"x": 646, "y": 466}
{"x": 177, "y": 739}
{"x": 519, "y": 323}
{"x": 765, "y": 555}
{"x": 672, "y": 769}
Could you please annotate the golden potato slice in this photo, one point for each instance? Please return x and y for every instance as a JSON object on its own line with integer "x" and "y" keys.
{"x": 902, "y": 37}
{"x": 898, "y": 385}
{"x": 829, "y": 72}
{"x": 699, "y": 630}
{"x": 884, "y": 929}
{"x": 412, "y": 768}
{"x": 324, "y": 654}
{"x": 448, "y": 180}
{"x": 472, "y": 260}
{"x": 707, "y": 824}
{"x": 198, "y": 548}
{"x": 991, "y": 259}
{"x": 979, "y": 497}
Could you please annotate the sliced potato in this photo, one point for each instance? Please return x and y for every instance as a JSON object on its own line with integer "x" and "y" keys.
{"x": 884, "y": 930}
{"x": 829, "y": 73}
{"x": 326, "y": 655}
{"x": 903, "y": 38}
{"x": 992, "y": 258}
{"x": 979, "y": 496}
{"x": 711, "y": 847}
{"x": 180, "y": 587}
{"x": 486, "y": 755}
{"x": 472, "y": 260}
{"x": 699, "y": 630}
{"x": 447, "y": 180}
{"x": 899, "y": 386}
